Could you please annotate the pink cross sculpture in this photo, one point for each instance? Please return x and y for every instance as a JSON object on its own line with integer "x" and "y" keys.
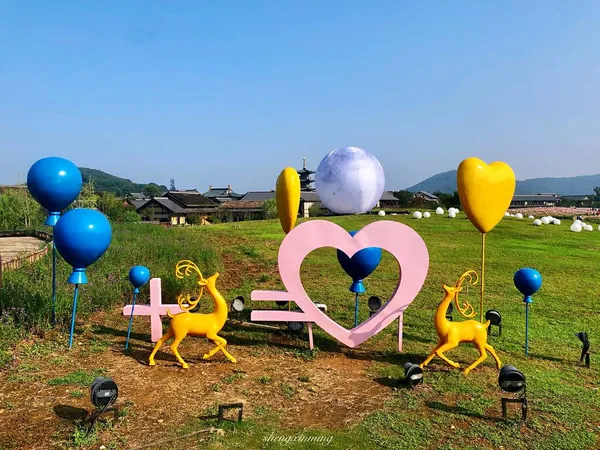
{"x": 155, "y": 309}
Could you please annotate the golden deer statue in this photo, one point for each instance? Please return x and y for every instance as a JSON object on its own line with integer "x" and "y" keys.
{"x": 453, "y": 333}
{"x": 196, "y": 324}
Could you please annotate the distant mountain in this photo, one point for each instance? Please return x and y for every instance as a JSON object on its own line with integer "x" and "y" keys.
{"x": 105, "y": 182}
{"x": 584, "y": 184}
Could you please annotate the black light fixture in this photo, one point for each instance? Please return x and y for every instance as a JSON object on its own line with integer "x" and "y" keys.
{"x": 322, "y": 307}
{"x": 282, "y": 303}
{"x": 495, "y": 320}
{"x": 374, "y": 303}
{"x": 513, "y": 381}
{"x": 585, "y": 347}
{"x": 103, "y": 394}
{"x": 449, "y": 312}
{"x": 413, "y": 374}
{"x": 238, "y": 304}
{"x": 295, "y": 327}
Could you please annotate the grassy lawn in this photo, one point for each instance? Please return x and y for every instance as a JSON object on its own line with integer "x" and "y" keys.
{"x": 333, "y": 397}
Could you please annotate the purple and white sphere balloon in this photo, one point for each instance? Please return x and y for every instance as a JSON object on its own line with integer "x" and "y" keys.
{"x": 349, "y": 180}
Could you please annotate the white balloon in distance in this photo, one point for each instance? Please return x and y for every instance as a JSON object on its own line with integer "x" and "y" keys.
{"x": 452, "y": 214}
{"x": 537, "y": 222}
{"x": 417, "y": 215}
{"x": 381, "y": 213}
{"x": 349, "y": 180}
{"x": 545, "y": 220}
{"x": 531, "y": 217}
{"x": 426, "y": 214}
{"x": 519, "y": 215}
{"x": 556, "y": 222}
{"x": 576, "y": 227}
{"x": 589, "y": 228}
{"x": 439, "y": 211}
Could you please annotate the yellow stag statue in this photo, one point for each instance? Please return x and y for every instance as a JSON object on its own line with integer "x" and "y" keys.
{"x": 196, "y": 324}
{"x": 453, "y": 333}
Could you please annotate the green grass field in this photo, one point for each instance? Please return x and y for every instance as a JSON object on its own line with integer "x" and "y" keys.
{"x": 449, "y": 411}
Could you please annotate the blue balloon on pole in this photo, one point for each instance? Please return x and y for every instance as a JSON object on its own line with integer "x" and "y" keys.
{"x": 528, "y": 282}
{"x": 138, "y": 276}
{"x": 81, "y": 237}
{"x": 360, "y": 266}
{"x": 54, "y": 183}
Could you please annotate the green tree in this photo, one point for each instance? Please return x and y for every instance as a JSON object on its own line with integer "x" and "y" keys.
{"x": 151, "y": 191}
{"x": 404, "y": 197}
{"x": 87, "y": 197}
{"x": 269, "y": 208}
{"x": 19, "y": 210}
{"x": 597, "y": 192}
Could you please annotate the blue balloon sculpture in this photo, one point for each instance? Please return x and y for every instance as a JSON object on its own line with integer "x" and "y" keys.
{"x": 528, "y": 282}
{"x": 359, "y": 267}
{"x": 82, "y": 236}
{"x": 54, "y": 183}
{"x": 138, "y": 276}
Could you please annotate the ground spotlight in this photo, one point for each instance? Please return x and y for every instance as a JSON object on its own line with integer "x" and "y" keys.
{"x": 512, "y": 380}
{"x": 238, "y": 304}
{"x": 413, "y": 374}
{"x": 103, "y": 394}
{"x": 495, "y": 320}
{"x": 585, "y": 347}
{"x": 374, "y": 303}
{"x": 282, "y": 303}
{"x": 295, "y": 327}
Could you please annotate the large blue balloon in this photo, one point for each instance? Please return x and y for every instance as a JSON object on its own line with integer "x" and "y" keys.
{"x": 138, "y": 276}
{"x": 81, "y": 237}
{"x": 54, "y": 183}
{"x": 528, "y": 282}
{"x": 360, "y": 266}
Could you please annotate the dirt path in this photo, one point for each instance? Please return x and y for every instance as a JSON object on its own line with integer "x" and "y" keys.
{"x": 12, "y": 247}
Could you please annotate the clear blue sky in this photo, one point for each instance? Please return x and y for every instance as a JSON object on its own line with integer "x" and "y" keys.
{"x": 231, "y": 92}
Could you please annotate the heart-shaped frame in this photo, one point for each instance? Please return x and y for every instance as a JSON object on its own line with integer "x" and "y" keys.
{"x": 405, "y": 244}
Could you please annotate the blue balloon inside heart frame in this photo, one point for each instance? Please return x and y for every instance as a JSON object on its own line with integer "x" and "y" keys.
{"x": 360, "y": 266}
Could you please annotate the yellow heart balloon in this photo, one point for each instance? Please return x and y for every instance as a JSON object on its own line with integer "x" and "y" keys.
{"x": 287, "y": 194}
{"x": 485, "y": 191}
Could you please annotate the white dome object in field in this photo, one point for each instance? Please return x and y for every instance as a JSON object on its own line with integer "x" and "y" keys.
{"x": 576, "y": 227}
{"x": 578, "y": 221}
{"x": 417, "y": 215}
{"x": 589, "y": 228}
{"x": 531, "y": 217}
{"x": 452, "y": 214}
{"x": 537, "y": 222}
{"x": 556, "y": 222}
{"x": 426, "y": 214}
{"x": 519, "y": 215}
{"x": 381, "y": 213}
{"x": 545, "y": 220}
{"x": 439, "y": 210}
{"x": 506, "y": 214}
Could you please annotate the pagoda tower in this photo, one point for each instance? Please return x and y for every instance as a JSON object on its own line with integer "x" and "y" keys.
{"x": 305, "y": 178}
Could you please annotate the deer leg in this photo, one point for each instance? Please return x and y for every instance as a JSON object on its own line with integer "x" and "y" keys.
{"x": 443, "y": 348}
{"x": 174, "y": 346}
{"x": 158, "y": 345}
{"x": 221, "y": 343}
{"x": 493, "y": 352}
{"x": 430, "y": 357}
{"x": 483, "y": 357}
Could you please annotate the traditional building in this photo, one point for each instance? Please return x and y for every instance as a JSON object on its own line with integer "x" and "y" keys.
{"x": 426, "y": 196}
{"x": 222, "y": 195}
{"x": 535, "y": 200}
{"x": 305, "y": 178}
{"x": 175, "y": 206}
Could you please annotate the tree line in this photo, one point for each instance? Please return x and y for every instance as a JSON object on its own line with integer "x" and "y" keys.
{"x": 19, "y": 210}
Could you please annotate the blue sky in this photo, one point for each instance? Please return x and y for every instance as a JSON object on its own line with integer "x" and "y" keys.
{"x": 232, "y": 92}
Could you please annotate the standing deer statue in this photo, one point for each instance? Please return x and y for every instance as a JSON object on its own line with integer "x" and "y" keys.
{"x": 196, "y": 324}
{"x": 453, "y": 333}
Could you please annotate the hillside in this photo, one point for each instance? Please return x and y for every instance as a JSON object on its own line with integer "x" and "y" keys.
{"x": 584, "y": 184}
{"x": 120, "y": 186}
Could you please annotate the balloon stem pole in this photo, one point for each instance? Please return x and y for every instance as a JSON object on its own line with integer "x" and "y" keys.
{"x": 526, "y": 329}
{"x": 73, "y": 315}
{"x": 130, "y": 321}
{"x": 53, "y": 317}
{"x": 356, "y": 310}
{"x": 482, "y": 275}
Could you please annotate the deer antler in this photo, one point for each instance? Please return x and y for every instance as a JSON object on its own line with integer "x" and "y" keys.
{"x": 189, "y": 267}
{"x": 183, "y": 300}
{"x": 467, "y": 310}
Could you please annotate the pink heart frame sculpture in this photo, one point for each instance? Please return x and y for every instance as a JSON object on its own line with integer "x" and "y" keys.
{"x": 400, "y": 240}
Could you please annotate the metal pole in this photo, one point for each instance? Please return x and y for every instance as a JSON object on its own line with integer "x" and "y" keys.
{"x": 53, "y": 320}
{"x": 356, "y": 310}
{"x": 73, "y": 315}
{"x": 526, "y": 329}
{"x": 130, "y": 320}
